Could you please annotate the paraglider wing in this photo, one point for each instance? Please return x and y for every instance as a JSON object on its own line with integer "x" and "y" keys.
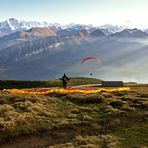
{"x": 90, "y": 58}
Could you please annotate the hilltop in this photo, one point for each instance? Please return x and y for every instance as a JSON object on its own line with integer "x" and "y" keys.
{"x": 105, "y": 119}
{"x": 74, "y": 81}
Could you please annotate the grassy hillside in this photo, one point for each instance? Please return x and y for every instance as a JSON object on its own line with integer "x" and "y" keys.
{"x": 7, "y": 84}
{"x": 117, "y": 119}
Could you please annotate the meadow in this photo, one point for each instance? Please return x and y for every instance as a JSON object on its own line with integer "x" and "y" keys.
{"x": 75, "y": 120}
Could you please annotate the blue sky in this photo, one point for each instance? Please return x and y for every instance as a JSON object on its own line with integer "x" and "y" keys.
{"x": 97, "y": 12}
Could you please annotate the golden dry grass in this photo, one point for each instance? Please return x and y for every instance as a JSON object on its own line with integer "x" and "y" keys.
{"x": 85, "y": 120}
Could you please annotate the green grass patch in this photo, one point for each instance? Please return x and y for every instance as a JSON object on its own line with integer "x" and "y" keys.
{"x": 133, "y": 136}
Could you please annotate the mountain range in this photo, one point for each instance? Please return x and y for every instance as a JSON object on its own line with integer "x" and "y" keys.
{"x": 32, "y": 50}
{"x": 12, "y": 25}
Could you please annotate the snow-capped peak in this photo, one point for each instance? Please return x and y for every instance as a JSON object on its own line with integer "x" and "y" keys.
{"x": 76, "y": 26}
{"x": 113, "y": 28}
{"x": 15, "y": 25}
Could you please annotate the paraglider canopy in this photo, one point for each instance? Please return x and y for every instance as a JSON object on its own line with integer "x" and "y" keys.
{"x": 90, "y": 58}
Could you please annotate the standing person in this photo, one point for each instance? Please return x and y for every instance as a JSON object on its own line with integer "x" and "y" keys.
{"x": 64, "y": 79}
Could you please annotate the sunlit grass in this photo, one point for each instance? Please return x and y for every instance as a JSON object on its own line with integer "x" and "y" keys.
{"x": 104, "y": 114}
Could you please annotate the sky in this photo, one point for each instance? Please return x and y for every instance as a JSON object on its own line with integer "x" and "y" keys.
{"x": 132, "y": 13}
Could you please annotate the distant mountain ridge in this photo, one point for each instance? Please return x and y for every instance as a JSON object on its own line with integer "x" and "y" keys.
{"x": 13, "y": 25}
{"x": 131, "y": 33}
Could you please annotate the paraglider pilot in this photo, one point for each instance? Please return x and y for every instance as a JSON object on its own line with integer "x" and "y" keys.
{"x": 64, "y": 80}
